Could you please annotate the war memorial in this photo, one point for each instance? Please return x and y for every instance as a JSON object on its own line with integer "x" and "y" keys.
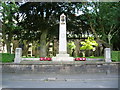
{"x": 65, "y": 62}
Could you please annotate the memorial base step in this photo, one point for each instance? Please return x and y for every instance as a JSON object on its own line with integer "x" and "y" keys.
{"x": 62, "y": 57}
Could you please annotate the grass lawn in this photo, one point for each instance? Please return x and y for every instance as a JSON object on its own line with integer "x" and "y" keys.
{"x": 92, "y": 57}
{"x": 96, "y": 57}
{"x": 7, "y": 57}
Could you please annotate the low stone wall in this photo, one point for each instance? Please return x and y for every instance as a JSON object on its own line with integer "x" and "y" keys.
{"x": 57, "y": 67}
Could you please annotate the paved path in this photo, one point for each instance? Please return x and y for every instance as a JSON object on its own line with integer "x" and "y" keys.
{"x": 101, "y": 80}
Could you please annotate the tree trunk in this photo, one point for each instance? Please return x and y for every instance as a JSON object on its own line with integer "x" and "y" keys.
{"x": 7, "y": 41}
{"x": 77, "y": 49}
{"x": 47, "y": 48}
{"x": 36, "y": 52}
{"x": 109, "y": 39}
{"x": 69, "y": 51}
{"x": 55, "y": 50}
{"x": 43, "y": 51}
{"x": 8, "y": 47}
{"x": 25, "y": 48}
{"x": 15, "y": 45}
{"x": 34, "y": 48}
{"x": 83, "y": 53}
{"x": 25, "y": 51}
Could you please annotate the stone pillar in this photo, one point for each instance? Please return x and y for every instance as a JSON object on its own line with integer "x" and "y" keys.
{"x": 107, "y": 54}
{"x": 62, "y": 56}
{"x": 62, "y": 35}
{"x": 18, "y": 55}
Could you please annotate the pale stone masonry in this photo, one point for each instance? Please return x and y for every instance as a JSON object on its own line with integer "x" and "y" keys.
{"x": 107, "y": 54}
{"x": 62, "y": 56}
{"x": 62, "y": 35}
{"x": 18, "y": 55}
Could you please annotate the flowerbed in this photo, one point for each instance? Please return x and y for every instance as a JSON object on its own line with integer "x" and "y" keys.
{"x": 80, "y": 59}
{"x": 45, "y": 59}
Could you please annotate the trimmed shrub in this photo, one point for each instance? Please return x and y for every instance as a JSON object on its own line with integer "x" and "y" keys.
{"x": 115, "y": 55}
{"x": 7, "y": 57}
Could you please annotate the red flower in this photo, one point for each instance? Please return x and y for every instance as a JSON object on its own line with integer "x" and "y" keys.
{"x": 77, "y": 59}
{"x": 45, "y": 59}
{"x": 80, "y": 59}
{"x": 48, "y": 59}
{"x": 42, "y": 58}
{"x": 84, "y": 59}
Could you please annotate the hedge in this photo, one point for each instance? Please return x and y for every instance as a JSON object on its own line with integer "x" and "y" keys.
{"x": 7, "y": 57}
{"x": 115, "y": 55}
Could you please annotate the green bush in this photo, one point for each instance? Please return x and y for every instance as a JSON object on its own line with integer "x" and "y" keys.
{"x": 115, "y": 55}
{"x": 7, "y": 57}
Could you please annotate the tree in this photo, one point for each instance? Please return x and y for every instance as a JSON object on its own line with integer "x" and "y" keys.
{"x": 109, "y": 14}
{"x": 71, "y": 46}
{"x": 8, "y": 9}
{"x": 88, "y": 44}
{"x": 43, "y": 18}
{"x": 103, "y": 20}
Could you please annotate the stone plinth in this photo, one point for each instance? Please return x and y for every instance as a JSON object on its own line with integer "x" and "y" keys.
{"x": 62, "y": 57}
{"x": 107, "y": 54}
